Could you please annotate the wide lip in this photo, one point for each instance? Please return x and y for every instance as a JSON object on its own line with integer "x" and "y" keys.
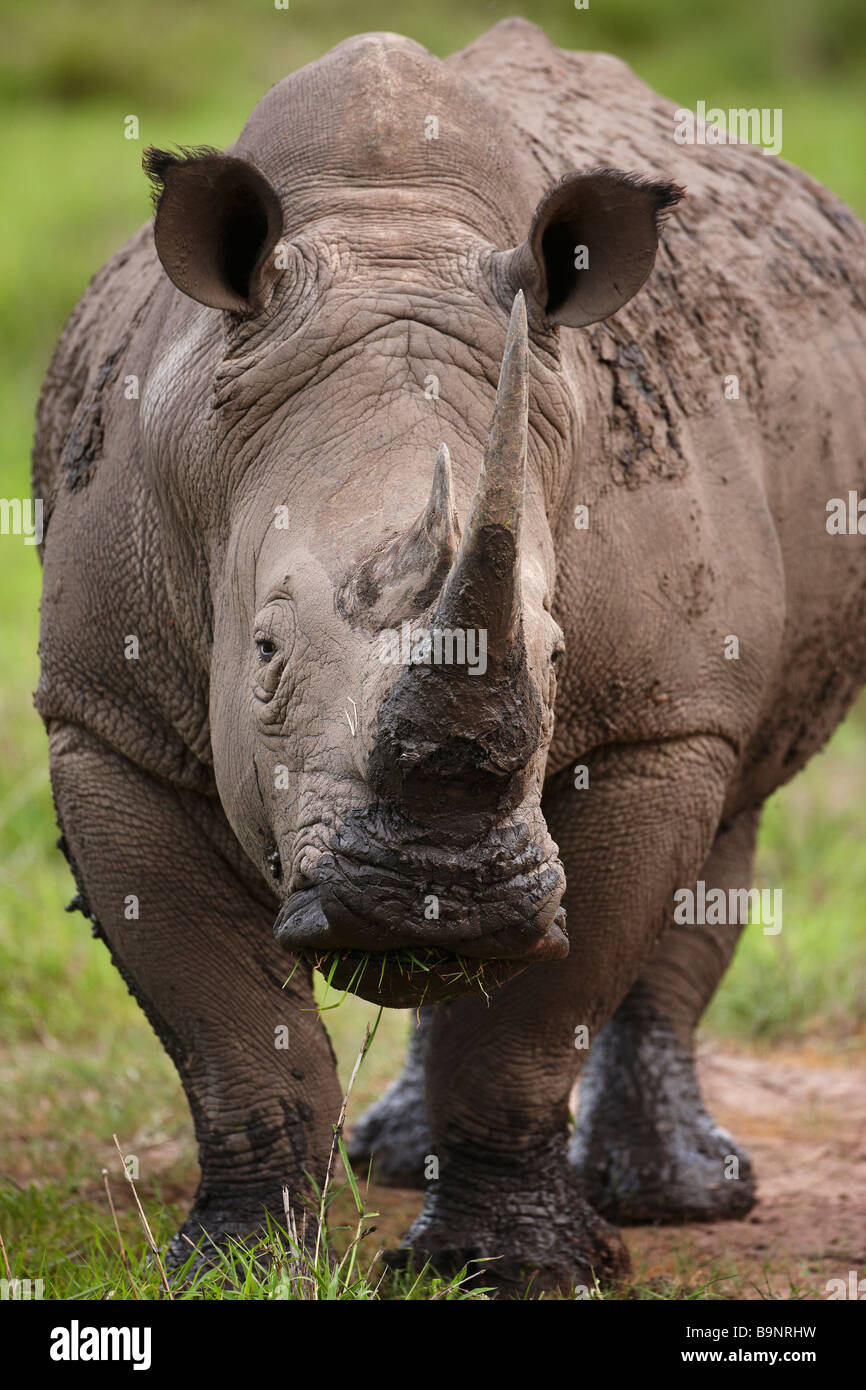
{"x": 525, "y": 911}
{"x": 417, "y": 977}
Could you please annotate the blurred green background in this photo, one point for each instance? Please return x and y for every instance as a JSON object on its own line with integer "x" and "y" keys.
{"x": 78, "y": 1060}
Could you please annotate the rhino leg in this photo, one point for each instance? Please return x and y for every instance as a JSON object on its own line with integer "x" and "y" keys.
{"x": 645, "y": 1147}
{"x": 393, "y": 1132}
{"x": 202, "y": 962}
{"x": 500, "y": 1073}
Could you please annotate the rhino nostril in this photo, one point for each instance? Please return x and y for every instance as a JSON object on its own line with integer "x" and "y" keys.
{"x": 303, "y": 873}
{"x": 432, "y": 784}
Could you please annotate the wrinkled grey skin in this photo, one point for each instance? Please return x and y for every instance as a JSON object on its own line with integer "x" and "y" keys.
{"x": 283, "y": 346}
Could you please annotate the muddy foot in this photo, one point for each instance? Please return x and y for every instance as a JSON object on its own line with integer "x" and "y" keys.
{"x": 522, "y": 1238}
{"x": 644, "y": 1145}
{"x": 212, "y": 1225}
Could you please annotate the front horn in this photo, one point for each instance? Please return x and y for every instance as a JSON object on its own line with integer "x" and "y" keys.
{"x": 482, "y": 590}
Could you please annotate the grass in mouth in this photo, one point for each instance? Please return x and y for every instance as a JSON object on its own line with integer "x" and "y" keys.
{"x": 408, "y": 962}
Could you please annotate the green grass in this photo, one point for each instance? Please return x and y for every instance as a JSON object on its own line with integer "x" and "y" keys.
{"x": 77, "y": 1060}
{"x": 290, "y": 1262}
{"x": 809, "y": 981}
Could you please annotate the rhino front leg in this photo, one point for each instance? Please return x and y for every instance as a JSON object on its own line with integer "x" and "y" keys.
{"x": 394, "y": 1132}
{"x": 499, "y": 1075}
{"x": 644, "y": 1144}
{"x": 191, "y": 932}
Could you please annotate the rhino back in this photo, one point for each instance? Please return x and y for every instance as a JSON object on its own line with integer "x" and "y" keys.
{"x": 761, "y": 277}
{"x": 761, "y": 271}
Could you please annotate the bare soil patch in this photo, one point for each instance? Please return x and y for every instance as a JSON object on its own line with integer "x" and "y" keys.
{"x": 804, "y": 1124}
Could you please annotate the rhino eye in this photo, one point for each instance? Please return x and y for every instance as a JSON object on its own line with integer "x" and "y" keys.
{"x": 267, "y": 648}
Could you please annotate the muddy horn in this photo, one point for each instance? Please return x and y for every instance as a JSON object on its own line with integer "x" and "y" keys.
{"x": 483, "y": 586}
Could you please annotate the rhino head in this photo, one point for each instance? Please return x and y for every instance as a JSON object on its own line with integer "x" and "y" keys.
{"x": 381, "y": 645}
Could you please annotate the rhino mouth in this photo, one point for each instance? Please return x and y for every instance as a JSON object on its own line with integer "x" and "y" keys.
{"x": 408, "y": 979}
{"x": 417, "y": 971}
{"x": 397, "y": 919}
{"x": 412, "y": 977}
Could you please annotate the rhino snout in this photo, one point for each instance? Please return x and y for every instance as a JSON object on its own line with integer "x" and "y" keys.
{"x": 379, "y": 887}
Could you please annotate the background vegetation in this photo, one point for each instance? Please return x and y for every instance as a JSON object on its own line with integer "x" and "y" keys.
{"x": 78, "y": 1061}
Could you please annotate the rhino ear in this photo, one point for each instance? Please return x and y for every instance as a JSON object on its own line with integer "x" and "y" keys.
{"x": 217, "y": 222}
{"x": 591, "y": 245}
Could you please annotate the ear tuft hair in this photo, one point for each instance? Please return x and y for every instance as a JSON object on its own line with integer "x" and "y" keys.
{"x": 665, "y": 193}
{"x": 155, "y": 162}
{"x": 217, "y": 220}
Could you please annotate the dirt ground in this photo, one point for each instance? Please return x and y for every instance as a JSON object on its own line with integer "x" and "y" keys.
{"x": 804, "y": 1124}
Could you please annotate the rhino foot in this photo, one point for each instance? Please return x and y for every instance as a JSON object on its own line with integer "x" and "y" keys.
{"x": 670, "y": 1179}
{"x": 645, "y": 1147}
{"x": 200, "y": 1247}
{"x": 515, "y": 1239}
{"x": 204, "y": 1240}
